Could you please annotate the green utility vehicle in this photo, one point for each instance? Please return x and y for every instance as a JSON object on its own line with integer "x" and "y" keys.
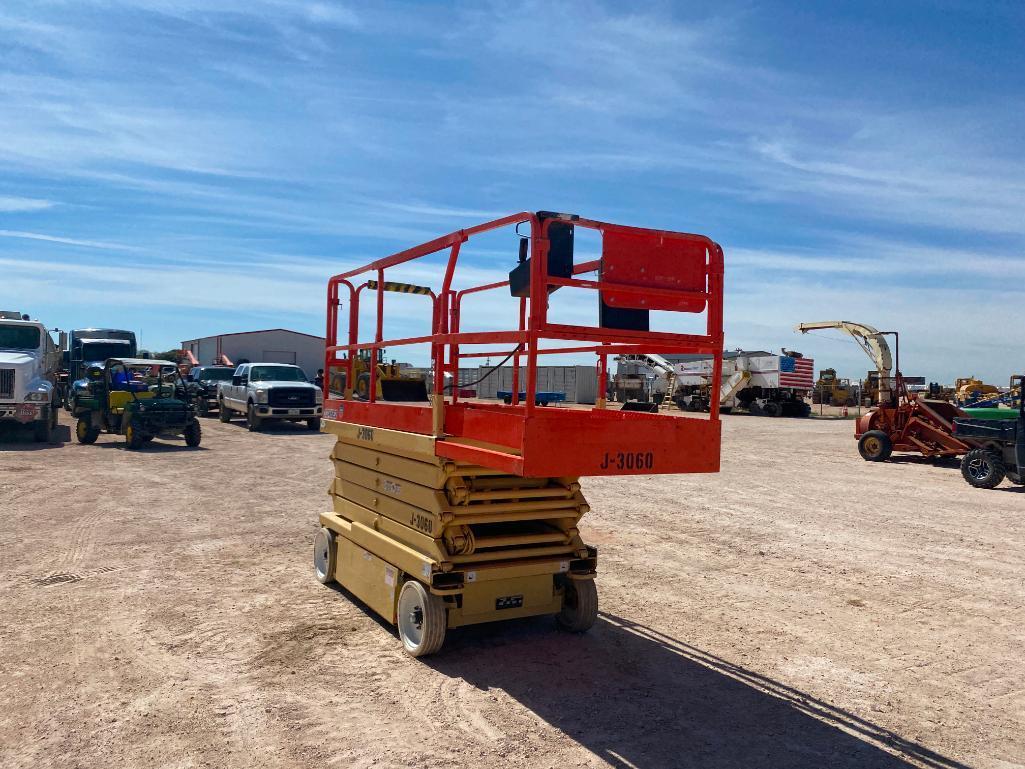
{"x": 1001, "y": 445}
{"x": 138, "y": 398}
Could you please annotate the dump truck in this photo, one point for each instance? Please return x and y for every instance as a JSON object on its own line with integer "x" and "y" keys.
{"x": 29, "y": 362}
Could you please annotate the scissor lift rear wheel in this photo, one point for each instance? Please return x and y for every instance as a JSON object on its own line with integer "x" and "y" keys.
{"x": 421, "y": 619}
{"x": 324, "y": 556}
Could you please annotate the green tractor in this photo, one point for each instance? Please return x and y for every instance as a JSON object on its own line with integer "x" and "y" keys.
{"x": 138, "y": 398}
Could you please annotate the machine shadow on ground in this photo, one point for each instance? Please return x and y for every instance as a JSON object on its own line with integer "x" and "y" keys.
{"x": 277, "y": 427}
{"x": 153, "y": 447}
{"x": 953, "y": 463}
{"x": 642, "y": 700}
{"x": 18, "y": 438}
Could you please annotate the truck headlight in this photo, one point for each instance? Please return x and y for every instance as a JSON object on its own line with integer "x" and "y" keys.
{"x": 320, "y": 395}
{"x": 38, "y": 397}
{"x": 261, "y": 396}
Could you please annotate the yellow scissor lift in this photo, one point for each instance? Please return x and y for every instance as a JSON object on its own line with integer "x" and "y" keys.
{"x": 481, "y": 544}
{"x": 449, "y": 513}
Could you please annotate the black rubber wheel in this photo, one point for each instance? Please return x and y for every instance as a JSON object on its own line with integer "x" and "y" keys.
{"x": 41, "y": 431}
{"x": 253, "y": 422}
{"x": 133, "y": 440}
{"x": 755, "y": 410}
{"x": 363, "y": 386}
{"x": 983, "y": 469}
{"x": 85, "y": 432}
{"x": 772, "y": 409}
{"x": 313, "y": 424}
{"x": 193, "y": 434}
{"x": 223, "y": 413}
{"x": 875, "y": 446}
{"x": 579, "y": 606}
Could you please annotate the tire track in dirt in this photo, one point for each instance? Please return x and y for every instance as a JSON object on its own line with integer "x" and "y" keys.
{"x": 77, "y": 541}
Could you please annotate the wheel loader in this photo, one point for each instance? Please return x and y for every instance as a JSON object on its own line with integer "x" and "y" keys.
{"x": 393, "y": 384}
{"x": 831, "y": 390}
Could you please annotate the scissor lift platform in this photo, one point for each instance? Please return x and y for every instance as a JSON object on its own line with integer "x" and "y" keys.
{"x": 451, "y": 513}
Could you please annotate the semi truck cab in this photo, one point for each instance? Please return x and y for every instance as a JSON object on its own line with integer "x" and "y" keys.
{"x": 29, "y": 361}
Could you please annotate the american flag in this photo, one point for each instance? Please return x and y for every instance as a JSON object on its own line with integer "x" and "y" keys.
{"x": 796, "y": 372}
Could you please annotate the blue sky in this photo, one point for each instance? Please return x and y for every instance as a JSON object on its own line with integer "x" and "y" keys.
{"x": 185, "y": 171}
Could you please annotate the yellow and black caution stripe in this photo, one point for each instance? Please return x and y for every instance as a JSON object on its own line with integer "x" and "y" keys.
{"x": 400, "y": 288}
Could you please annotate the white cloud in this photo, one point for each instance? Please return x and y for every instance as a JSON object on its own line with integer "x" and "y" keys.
{"x": 331, "y": 13}
{"x": 18, "y": 205}
{"x": 66, "y": 241}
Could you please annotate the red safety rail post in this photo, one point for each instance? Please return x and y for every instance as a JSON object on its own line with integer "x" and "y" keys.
{"x": 640, "y": 269}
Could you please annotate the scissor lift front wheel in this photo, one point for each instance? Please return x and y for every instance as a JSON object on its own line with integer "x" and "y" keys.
{"x": 579, "y": 606}
{"x": 421, "y": 619}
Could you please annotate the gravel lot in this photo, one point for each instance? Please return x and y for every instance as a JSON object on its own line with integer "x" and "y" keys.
{"x": 801, "y": 609}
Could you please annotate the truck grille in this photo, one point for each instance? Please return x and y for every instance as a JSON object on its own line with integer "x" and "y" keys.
{"x": 291, "y": 396}
{"x": 6, "y": 382}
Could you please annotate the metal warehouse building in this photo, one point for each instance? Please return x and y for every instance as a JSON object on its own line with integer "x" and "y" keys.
{"x": 273, "y": 345}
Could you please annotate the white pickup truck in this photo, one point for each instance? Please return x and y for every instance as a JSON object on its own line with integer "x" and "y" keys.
{"x": 29, "y": 360}
{"x": 263, "y": 391}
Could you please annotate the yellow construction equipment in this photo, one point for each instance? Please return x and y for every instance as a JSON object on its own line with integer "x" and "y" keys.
{"x": 831, "y": 390}
{"x": 393, "y": 382}
{"x": 398, "y": 506}
{"x": 454, "y": 512}
{"x": 967, "y": 390}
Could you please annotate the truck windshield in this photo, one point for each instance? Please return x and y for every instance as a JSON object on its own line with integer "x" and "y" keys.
{"x": 100, "y": 351}
{"x": 277, "y": 374}
{"x": 19, "y": 337}
{"x": 216, "y": 374}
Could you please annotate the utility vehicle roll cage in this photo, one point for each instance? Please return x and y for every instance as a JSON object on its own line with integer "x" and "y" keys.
{"x": 126, "y": 363}
{"x": 639, "y": 270}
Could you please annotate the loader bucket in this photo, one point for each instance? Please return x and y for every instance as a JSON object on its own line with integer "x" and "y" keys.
{"x": 650, "y": 408}
{"x": 404, "y": 390}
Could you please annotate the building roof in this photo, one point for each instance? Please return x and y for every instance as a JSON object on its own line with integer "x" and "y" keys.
{"x": 143, "y": 362}
{"x": 261, "y": 331}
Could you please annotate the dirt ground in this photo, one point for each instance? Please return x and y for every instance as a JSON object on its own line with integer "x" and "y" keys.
{"x": 801, "y": 609}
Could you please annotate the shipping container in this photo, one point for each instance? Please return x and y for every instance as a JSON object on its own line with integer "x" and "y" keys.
{"x": 580, "y": 383}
